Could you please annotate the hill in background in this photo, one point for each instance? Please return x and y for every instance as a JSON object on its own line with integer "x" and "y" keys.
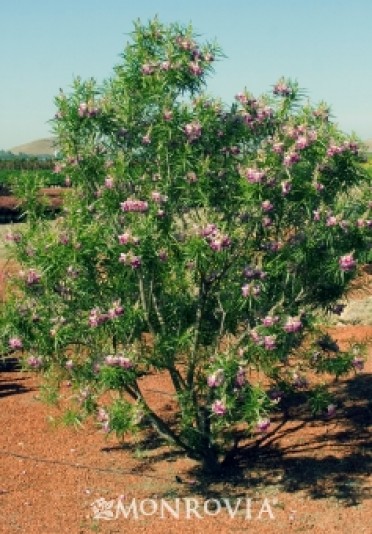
{"x": 40, "y": 147}
{"x": 47, "y": 147}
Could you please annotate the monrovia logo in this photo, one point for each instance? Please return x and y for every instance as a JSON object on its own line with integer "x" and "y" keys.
{"x": 185, "y": 508}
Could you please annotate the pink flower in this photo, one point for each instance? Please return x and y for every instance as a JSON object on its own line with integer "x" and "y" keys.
{"x": 208, "y": 57}
{"x": 147, "y": 69}
{"x": 146, "y": 139}
{"x": 278, "y": 148}
{"x": 135, "y": 262}
{"x": 165, "y": 65}
{"x": 286, "y": 187}
{"x": 316, "y": 214}
{"x": 35, "y": 362}
{"x": 123, "y": 258}
{"x": 116, "y": 310}
{"x": 358, "y": 363}
{"x": 267, "y": 222}
{"x": 331, "y": 410}
{"x": 209, "y": 230}
{"x": 269, "y": 320}
{"x": 267, "y": 206}
{"x": 163, "y": 255}
{"x": 118, "y": 361}
{"x": 331, "y": 220}
{"x": 63, "y": 239}
{"x": 158, "y": 197}
{"x": 220, "y": 243}
{"x": 263, "y": 113}
{"x": 269, "y": 342}
{"x": 290, "y": 159}
{"x": 193, "y": 130}
{"x": 109, "y": 182}
{"x": 216, "y": 379}
{"x": 32, "y": 277}
{"x": 250, "y": 289}
{"x": 195, "y": 68}
{"x": 15, "y": 343}
{"x": 14, "y": 237}
{"x": 240, "y": 378}
{"x": 282, "y": 89}
{"x": 102, "y": 415}
{"x": 347, "y": 262}
{"x": 301, "y": 142}
{"x": 254, "y": 176}
{"x": 124, "y": 238}
{"x": 83, "y": 110}
{"x": 111, "y": 360}
{"x": 256, "y": 338}
{"x": 242, "y": 98}
{"x": 333, "y": 150}
{"x": 292, "y": 325}
{"x": 133, "y": 205}
{"x": 219, "y": 407}
{"x": 96, "y": 317}
{"x": 184, "y": 43}
{"x": 106, "y": 427}
{"x": 263, "y": 425}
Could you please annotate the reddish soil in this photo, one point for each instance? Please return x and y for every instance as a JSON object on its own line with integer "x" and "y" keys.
{"x": 314, "y": 473}
{"x": 53, "y": 196}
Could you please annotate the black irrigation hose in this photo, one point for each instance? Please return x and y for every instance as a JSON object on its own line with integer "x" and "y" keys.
{"x": 84, "y": 466}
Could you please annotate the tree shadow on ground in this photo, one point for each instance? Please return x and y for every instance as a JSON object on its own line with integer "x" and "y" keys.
{"x": 329, "y": 458}
{"x": 323, "y": 458}
{"x": 11, "y": 382}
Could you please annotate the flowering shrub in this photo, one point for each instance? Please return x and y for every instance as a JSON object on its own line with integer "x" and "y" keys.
{"x": 216, "y": 231}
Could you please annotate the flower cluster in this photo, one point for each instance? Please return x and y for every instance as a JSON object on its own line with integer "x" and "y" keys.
{"x": 87, "y": 110}
{"x": 15, "y": 343}
{"x": 219, "y": 407}
{"x": 35, "y": 362}
{"x": 97, "y": 317}
{"x": 118, "y": 360}
{"x": 347, "y": 263}
{"x": 255, "y": 176}
{"x": 281, "y": 88}
{"x": 31, "y": 277}
{"x": 216, "y": 240}
{"x": 336, "y": 149}
{"x": 292, "y": 325}
{"x": 104, "y": 418}
{"x": 134, "y": 205}
{"x": 193, "y": 130}
{"x": 130, "y": 259}
{"x": 216, "y": 379}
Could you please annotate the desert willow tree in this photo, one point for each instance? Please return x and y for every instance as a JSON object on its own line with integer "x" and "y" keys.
{"x": 216, "y": 230}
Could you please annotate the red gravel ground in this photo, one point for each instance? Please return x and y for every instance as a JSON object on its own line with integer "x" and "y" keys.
{"x": 314, "y": 474}
{"x": 52, "y": 196}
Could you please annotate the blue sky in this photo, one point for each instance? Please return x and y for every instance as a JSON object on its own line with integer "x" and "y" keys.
{"x": 325, "y": 44}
